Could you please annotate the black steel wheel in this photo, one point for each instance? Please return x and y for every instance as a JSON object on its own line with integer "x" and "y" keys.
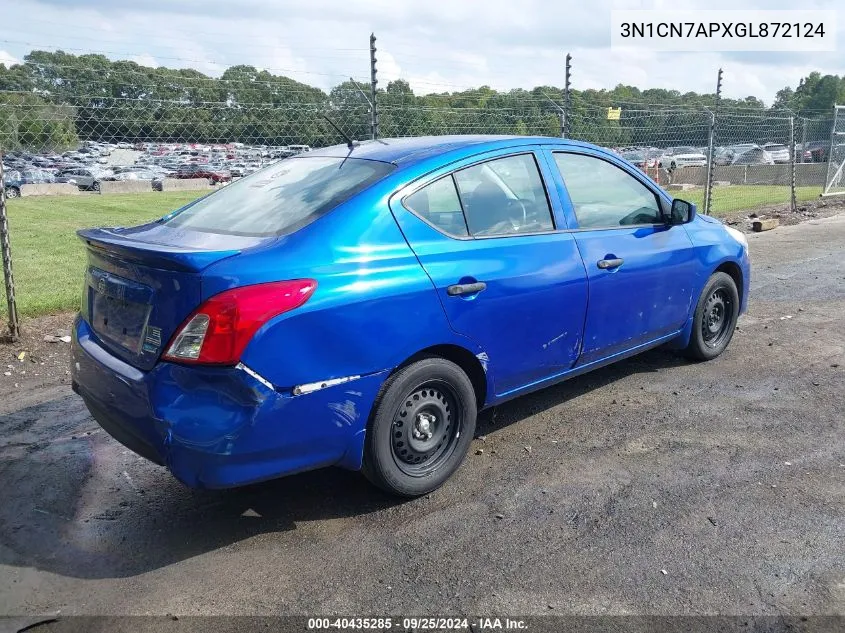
{"x": 426, "y": 429}
{"x": 715, "y": 318}
{"x": 421, "y": 427}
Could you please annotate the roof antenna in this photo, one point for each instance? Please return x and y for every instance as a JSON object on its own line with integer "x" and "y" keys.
{"x": 350, "y": 143}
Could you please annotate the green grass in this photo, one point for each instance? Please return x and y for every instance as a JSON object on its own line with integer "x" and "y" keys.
{"x": 730, "y": 198}
{"x": 47, "y": 257}
{"x": 49, "y": 260}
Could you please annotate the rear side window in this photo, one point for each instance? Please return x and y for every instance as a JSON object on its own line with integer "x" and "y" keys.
{"x": 605, "y": 196}
{"x": 438, "y": 204}
{"x": 282, "y": 197}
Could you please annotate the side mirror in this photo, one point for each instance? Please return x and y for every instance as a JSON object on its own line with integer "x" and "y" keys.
{"x": 682, "y": 212}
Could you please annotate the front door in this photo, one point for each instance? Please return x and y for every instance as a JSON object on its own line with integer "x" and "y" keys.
{"x": 640, "y": 270}
{"x": 486, "y": 237}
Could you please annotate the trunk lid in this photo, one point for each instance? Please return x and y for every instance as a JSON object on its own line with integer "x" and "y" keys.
{"x": 142, "y": 282}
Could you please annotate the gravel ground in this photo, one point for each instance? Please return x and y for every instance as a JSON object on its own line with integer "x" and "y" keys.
{"x": 655, "y": 486}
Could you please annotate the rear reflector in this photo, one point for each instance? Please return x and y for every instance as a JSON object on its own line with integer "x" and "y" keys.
{"x": 219, "y": 330}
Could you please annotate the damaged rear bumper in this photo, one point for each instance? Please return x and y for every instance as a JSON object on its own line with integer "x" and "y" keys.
{"x": 219, "y": 427}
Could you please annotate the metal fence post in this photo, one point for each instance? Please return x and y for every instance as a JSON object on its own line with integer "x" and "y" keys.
{"x": 708, "y": 190}
{"x": 803, "y": 138}
{"x": 793, "y": 205}
{"x": 14, "y": 323}
{"x": 835, "y": 158}
{"x": 710, "y": 165}
{"x": 373, "y": 86}
{"x": 567, "y": 98}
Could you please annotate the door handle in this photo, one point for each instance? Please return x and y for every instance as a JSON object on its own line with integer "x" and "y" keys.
{"x": 465, "y": 289}
{"x": 609, "y": 264}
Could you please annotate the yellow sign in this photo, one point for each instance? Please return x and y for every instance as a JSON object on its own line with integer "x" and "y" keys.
{"x": 613, "y": 114}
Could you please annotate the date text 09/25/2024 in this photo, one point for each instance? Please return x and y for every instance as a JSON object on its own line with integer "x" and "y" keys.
{"x": 416, "y": 624}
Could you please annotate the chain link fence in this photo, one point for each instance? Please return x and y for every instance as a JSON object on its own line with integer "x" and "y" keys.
{"x": 756, "y": 156}
{"x": 99, "y": 126}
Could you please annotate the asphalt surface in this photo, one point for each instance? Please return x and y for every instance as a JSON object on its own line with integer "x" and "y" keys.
{"x": 656, "y": 486}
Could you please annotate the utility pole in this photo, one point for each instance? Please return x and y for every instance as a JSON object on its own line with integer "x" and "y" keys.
{"x": 373, "y": 86}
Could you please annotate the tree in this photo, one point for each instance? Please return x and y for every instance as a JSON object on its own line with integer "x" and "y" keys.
{"x": 63, "y": 97}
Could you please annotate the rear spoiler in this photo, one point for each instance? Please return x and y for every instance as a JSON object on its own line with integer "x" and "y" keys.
{"x": 166, "y": 256}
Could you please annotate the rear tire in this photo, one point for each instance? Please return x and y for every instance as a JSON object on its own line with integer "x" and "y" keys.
{"x": 96, "y": 186}
{"x": 13, "y": 192}
{"x": 715, "y": 318}
{"x": 422, "y": 424}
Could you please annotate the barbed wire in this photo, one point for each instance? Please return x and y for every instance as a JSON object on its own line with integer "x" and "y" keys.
{"x": 64, "y": 107}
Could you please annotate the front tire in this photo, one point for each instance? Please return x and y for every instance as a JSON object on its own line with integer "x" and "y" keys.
{"x": 13, "y": 192}
{"x": 715, "y": 318}
{"x": 421, "y": 428}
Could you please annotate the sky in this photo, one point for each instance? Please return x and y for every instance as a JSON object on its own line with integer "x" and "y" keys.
{"x": 436, "y": 45}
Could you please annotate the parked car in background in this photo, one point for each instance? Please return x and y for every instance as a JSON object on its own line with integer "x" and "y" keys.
{"x": 641, "y": 159}
{"x": 722, "y": 156}
{"x": 778, "y": 152}
{"x": 753, "y": 156}
{"x": 265, "y": 329}
{"x": 802, "y": 155}
{"x": 16, "y": 179}
{"x": 818, "y": 150}
{"x": 214, "y": 176}
{"x": 677, "y": 157}
{"x": 86, "y": 178}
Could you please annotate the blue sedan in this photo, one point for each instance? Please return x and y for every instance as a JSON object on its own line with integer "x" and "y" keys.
{"x": 357, "y": 305}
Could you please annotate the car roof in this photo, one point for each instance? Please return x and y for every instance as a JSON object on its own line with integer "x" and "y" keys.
{"x": 405, "y": 152}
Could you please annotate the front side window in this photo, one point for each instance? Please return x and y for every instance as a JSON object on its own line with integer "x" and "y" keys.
{"x": 281, "y": 198}
{"x": 604, "y": 195}
{"x": 504, "y": 196}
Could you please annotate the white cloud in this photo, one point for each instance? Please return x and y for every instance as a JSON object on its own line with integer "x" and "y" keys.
{"x": 145, "y": 59}
{"x": 388, "y": 68}
{"x": 437, "y": 45}
{"x": 7, "y": 59}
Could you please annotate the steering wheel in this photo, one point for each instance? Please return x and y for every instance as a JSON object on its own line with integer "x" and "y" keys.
{"x": 517, "y": 201}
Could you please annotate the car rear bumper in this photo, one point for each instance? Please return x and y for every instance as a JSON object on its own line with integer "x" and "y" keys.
{"x": 220, "y": 427}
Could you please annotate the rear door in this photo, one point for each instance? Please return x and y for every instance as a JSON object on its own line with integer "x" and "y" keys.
{"x": 485, "y": 232}
{"x": 640, "y": 270}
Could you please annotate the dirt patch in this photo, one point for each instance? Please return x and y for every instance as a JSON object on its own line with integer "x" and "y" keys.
{"x": 33, "y": 362}
{"x": 811, "y": 210}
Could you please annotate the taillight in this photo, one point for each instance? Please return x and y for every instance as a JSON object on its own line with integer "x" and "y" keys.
{"x": 217, "y": 332}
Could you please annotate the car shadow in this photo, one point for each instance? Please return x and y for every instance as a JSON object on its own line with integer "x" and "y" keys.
{"x": 536, "y": 402}
{"x": 76, "y": 504}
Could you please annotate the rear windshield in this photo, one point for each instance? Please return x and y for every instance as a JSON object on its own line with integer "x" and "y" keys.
{"x": 280, "y": 198}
